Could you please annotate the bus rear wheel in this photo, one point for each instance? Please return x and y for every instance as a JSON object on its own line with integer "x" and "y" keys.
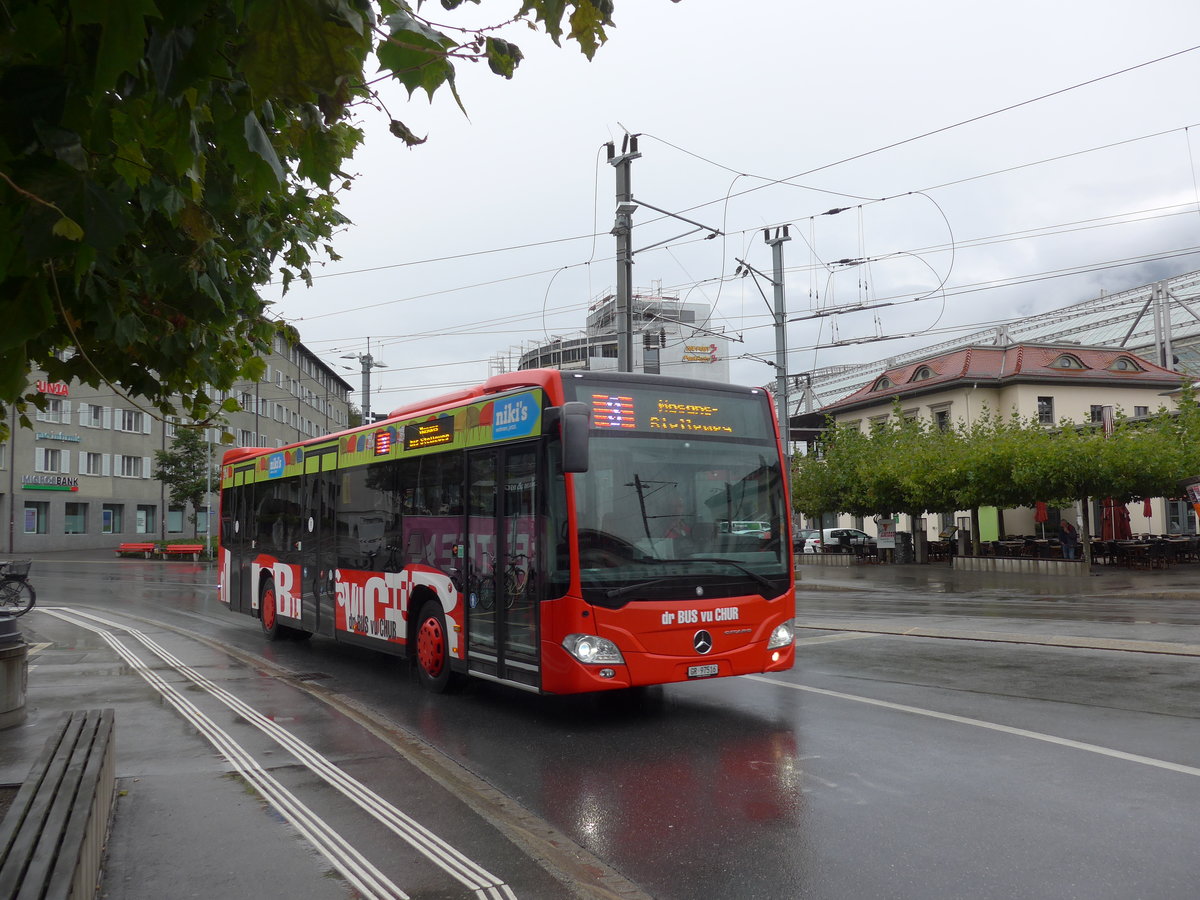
{"x": 433, "y": 648}
{"x": 268, "y": 615}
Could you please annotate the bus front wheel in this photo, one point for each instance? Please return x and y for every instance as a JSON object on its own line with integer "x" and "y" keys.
{"x": 433, "y": 648}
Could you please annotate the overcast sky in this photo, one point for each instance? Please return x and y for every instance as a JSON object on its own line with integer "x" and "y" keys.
{"x": 495, "y": 234}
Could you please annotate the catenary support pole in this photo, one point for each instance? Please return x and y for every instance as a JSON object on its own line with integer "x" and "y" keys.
{"x": 776, "y": 238}
{"x": 623, "y": 231}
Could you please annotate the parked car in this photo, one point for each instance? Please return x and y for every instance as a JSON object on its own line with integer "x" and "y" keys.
{"x": 800, "y": 539}
{"x": 839, "y": 540}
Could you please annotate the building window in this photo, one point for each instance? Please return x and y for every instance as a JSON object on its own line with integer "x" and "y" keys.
{"x": 1181, "y": 517}
{"x": 175, "y": 520}
{"x": 131, "y": 467}
{"x": 1141, "y": 412}
{"x": 93, "y": 464}
{"x": 112, "y": 518}
{"x": 76, "y": 519}
{"x": 53, "y": 411}
{"x": 147, "y": 520}
{"x": 245, "y": 438}
{"x": 1125, "y": 364}
{"x": 91, "y": 416}
{"x": 1045, "y": 410}
{"x": 941, "y": 419}
{"x": 130, "y": 420}
{"x": 49, "y": 459}
{"x": 923, "y": 373}
{"x": 1096, "y": 414}
{"x": 1067, "y": 361}
{"x": 882, "y": 384}
{"x": 37, "y": 513}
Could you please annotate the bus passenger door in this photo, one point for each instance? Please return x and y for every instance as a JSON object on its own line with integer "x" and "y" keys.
{"x": 237, "y": 531}
{"x": 502, "y": 556}
{"x": 318, "y": 558}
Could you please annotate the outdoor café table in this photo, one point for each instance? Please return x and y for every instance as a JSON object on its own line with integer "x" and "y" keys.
{"x": 1176, "y": 548}
{"x": 1134, "y": 554}
{"x": 1012, "y": 548}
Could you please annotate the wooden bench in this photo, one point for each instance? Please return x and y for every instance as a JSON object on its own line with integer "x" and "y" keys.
{"x": 147, "y": 549}
{"x": 52, "y": 838}
{"x": 194, "y": 550}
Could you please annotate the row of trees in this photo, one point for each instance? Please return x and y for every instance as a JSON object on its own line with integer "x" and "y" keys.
{"x": 913, "y": 467}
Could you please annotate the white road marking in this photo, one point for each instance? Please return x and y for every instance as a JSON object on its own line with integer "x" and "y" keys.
{"x": 991, "y": 726}
{"x": 471, "y": 875}
{"x": 356, "y": 868}
{"x": 830, "y": 638}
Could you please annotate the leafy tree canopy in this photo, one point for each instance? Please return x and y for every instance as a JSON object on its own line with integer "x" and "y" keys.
{"x": 160, "y": 159}
{"x": 914, "y": 467}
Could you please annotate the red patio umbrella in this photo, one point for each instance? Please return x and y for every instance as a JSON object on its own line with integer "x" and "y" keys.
{"x": 1121, "y": 527}
{"x": 1146, "y": 508}
{"x": 1107, "y": 525}
{"x": 1040, "y": 515}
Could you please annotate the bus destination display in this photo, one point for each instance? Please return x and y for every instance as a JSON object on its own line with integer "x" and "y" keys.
{"x": 429, "y": 434}
{"x": 679, "y": 413}
{"x": 609, "y": 411}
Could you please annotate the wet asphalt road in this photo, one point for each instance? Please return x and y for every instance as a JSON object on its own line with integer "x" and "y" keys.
{"x": 883, "y": 765}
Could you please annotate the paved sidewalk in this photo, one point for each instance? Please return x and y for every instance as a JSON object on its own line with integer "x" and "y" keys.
{"x": 1177, "y": 582}
{"x": 1156, "y": 611}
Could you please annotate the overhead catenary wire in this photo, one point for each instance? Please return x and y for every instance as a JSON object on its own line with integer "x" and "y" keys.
{"x": 719, "y": 281}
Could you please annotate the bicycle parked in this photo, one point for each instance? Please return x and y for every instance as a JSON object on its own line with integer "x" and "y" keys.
{"x": 16, "y": 593}
{"x": 482, "y": 584}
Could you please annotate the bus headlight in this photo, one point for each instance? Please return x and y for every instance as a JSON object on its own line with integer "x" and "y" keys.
{"x": 782, "y": 636}
{"x": 587, "y": 648}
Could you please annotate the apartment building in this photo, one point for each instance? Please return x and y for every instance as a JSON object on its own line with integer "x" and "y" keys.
{"x": 83, "y": 477}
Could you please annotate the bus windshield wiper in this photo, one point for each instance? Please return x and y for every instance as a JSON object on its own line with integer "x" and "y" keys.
{"x": 763, "y": 582}
{"x": 617, "y": 593}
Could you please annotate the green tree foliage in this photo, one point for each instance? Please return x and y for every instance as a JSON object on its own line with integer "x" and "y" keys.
{"x": 913, "y": 467}
{"x": 186, "y": 470}
{"x": 161, "y": 159}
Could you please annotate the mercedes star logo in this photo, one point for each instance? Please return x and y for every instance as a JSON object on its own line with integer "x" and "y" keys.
{"x": 702, "y": 642}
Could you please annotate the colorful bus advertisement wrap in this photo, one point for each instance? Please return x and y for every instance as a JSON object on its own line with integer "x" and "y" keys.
{"x": 456, "y": 533}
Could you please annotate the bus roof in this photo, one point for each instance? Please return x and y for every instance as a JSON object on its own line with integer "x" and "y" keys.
{"x": 549, "y": 380}
{"x": 546, "y": 379}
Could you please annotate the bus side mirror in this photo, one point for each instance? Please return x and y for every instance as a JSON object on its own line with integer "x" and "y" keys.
{"x": 573, "y": 420}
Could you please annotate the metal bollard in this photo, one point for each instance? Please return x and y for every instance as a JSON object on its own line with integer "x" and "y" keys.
{"x": 14, "y": 673}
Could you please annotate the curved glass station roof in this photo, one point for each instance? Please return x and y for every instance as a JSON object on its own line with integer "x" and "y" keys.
{"x": 1125, "y": 319}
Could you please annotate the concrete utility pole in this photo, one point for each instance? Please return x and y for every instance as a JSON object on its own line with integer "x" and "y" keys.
{"x": 775, "y": 239}
{"x": 368, "y": 363}
{"x": 623, "y": 229}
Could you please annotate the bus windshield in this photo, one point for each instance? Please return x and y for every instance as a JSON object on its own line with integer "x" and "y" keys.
{"x": 665, "y": 512}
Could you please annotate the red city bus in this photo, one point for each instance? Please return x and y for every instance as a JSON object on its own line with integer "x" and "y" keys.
{"x": 558, "y": 532}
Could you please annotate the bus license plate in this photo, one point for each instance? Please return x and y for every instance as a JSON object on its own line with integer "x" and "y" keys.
{"x": 702, "y": 671}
